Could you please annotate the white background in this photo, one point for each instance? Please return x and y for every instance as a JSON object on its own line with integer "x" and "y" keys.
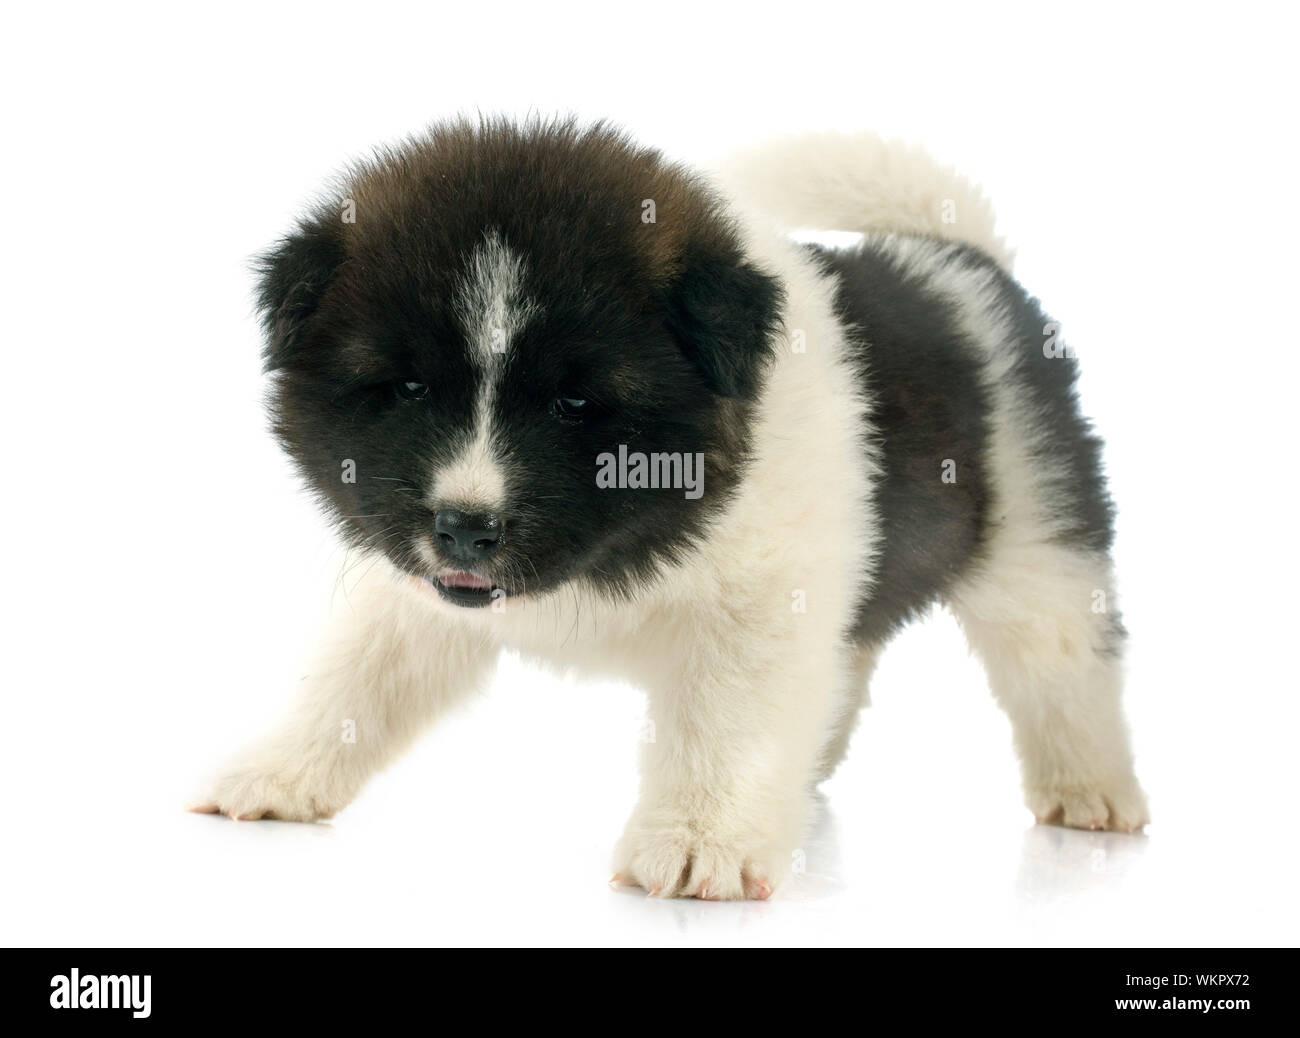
{"x": 164, "y": 575}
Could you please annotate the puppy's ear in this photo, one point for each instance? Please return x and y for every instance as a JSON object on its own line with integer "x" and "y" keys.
{"x": 292, "y": 277}
{"x": 725, "y": 313}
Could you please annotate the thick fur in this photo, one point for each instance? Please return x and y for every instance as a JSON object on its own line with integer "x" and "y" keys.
{"x": 881, "y": 428}
{"x": 860, "y": 182}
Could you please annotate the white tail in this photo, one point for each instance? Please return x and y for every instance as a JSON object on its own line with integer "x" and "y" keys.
{"x": 859, "y": 182}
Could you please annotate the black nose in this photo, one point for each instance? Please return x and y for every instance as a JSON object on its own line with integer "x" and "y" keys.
{"x": 467, "y": 536}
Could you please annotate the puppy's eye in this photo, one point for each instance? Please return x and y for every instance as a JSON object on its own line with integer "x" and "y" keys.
{"x": 411, "y": 390}
{"x": 570, "y": 406}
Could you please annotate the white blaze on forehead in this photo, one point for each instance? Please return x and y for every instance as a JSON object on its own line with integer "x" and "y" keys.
{"x": 492, "y": 308}
{"x": 491, "y": 303}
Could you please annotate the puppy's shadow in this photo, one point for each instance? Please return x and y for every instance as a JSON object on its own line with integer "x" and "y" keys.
{"x": 814, "y": 873}
{"x": 264, "y": 830}
{"x": 816, "y": 869}
{"x": 1057, "y": 864}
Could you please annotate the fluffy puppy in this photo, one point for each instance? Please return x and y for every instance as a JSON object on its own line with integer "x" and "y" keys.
{"x": 577, "y": 400}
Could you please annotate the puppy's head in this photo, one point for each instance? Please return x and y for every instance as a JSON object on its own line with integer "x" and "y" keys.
{"x": 502, "y": 352}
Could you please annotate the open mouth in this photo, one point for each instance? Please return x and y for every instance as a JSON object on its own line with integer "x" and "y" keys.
{"x": 467, "y": 589}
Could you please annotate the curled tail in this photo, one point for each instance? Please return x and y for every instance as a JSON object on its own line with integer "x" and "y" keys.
{"x": 860, "y": 182}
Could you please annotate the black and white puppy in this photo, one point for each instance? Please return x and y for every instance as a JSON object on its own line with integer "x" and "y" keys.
{"x": 580, "y": 401}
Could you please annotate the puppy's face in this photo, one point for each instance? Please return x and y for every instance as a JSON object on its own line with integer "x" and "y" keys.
{"x": 486, "y": 324}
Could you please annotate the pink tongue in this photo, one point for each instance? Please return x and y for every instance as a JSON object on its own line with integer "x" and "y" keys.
{"x": 468, "y": 580}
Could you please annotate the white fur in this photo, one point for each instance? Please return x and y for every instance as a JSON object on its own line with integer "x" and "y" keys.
{"x": 491, "y": 303}
{"x": 387, "y": 668}
{"x": 861, "y": 182}
{"x": 751, "y": 698}
{"x": 475, "y": 480}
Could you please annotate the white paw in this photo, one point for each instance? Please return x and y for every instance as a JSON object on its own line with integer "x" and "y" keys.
{"x": 683, "y": 861}
{"x": 252, "y": 790}
{"x": 1120, "y": 806}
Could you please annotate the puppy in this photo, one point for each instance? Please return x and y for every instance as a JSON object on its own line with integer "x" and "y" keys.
{"x": 577, "y": 400}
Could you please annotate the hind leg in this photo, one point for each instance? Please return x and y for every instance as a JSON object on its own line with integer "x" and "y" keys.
{"x": 1041, "y": 621}
{"x": 857, "y": 696}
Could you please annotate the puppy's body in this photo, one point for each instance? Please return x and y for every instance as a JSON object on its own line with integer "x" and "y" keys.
{"x": 879, "y": 428}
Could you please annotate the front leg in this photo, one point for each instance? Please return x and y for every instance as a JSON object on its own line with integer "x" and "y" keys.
{"x": 392, "y": 663}
{"x": 727, "y": 777}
